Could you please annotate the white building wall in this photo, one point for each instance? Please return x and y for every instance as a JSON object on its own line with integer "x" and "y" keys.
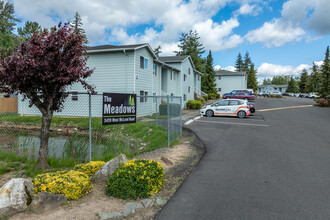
{"x": 230, "y": 83}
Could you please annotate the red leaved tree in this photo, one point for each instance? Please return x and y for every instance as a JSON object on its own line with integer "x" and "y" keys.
{"x": 42, "y": 69}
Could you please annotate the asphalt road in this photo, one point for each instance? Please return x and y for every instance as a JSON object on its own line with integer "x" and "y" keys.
{"x": 274, "y": 164}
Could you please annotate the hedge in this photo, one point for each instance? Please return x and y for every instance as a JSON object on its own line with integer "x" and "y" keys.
{"x": 193, "y": 104}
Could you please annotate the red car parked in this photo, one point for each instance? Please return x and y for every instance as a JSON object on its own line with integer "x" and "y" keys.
{"x": 238, "y": 95}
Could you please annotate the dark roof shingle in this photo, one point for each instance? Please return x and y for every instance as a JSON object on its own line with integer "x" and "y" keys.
{"x": 174, "y": 59}
{"x": 114, "y": 47}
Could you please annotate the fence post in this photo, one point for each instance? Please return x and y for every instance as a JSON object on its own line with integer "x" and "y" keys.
{"x": 156, "y": 111}
{"x": 168, "y": 121}
{"x": 181, "y": 115}
{"x": 90, "y": 127}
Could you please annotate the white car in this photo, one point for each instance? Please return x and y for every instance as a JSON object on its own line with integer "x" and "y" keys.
{"x": 228, "y": 107}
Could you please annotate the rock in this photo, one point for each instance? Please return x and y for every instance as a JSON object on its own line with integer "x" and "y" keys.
{"x": 15, "y": 196}
{"x": 59, "y": 130}
{"x": 147, "y": 203}
{"x": 167, "y": 161}
{"x": 107, "y": 169}
{"x": 141, "y": 148}
{"x": 45, "y": 201}
{"x": 160, "y": 202}
{"x": 112, "y": 215}
{"x": 131, "y": 207}
{"x": 75, "y": 129}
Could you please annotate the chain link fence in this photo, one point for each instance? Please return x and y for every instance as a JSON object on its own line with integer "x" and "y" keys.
{"x": 77, "y": 130}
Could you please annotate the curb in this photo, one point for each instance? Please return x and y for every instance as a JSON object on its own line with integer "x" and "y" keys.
{"x": 192, "y": 120}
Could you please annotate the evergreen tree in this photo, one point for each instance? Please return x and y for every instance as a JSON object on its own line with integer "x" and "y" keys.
{"x": 267, "y": 82}
{"x": 315, "y": 78}
{"x": 303, "y": 81}
{"x": 239, "y": 62}
{"x": 280, "y": 80}
{"x": 208, "y": 79}
{"x": 76, "y": 24}
{"x": 7, "y": 17}
{"x": 157, "y": 51}
{"x": 252, "y": 78}
{"x": 292, "y": 86}
{"x": 28, "y": 30}
{"x": 246, "y": 62}
{"x": 7, "y": 24}
{"x": 189, "y": 45}
{"x": 324, "y": 90}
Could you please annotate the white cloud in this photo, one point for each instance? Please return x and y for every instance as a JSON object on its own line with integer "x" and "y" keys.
{"x": 106, "y": 21}
{"x": 270, "y": 70}
{"x": 275, "y": 33}
{"x": 217, "y": 67}
{"x": 319, "y": 63}
{"x": 247, "y": 9}
{"x": 218, "y": 36}
{"x": 230, "y": 68}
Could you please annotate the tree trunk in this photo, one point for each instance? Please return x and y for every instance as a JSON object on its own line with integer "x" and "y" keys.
{"x": 44, "y": 136}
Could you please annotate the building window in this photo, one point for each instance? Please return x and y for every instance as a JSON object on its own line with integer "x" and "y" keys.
{"x": 188, "y": 88}
{"x": 184, "y": 97}
{"x": 219, "y": 89}
{"x": 198, "y": 77}
{"x": 74, "y": 96}
{"x": 173, "y": 75}
{"x": 155, "y": 69}
{"x": 184, "y": 77}
{"x": 219, "y": 77}
{"x": 143, "y": 62}
{"x": 189, "y": 71}
{"x": 143, "y": 99}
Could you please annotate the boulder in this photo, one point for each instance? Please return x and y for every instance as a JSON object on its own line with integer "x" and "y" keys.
{"x": 15, "y": 196}
{"x": 107, "y": 169}
{"x": 45, "y": 201}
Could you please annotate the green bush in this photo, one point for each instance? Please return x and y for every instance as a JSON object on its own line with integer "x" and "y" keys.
{"x": 205, "y": 98}
{"x": 213, "y": 95}
{"x": 174, "y": 109}
{"x": 136, "y": 179}
{"x": 201, "y": 99}
{"x": 193, "y": 104}
{"x": 279, "y": 96}
{"x": 272, "y": 96}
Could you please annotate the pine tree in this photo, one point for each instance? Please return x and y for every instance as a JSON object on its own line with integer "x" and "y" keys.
{"x": 76, "y": 24}
{"x": 189, "y": 45}
{"x": 246, "y": 62}
{"x": 292, "y": 85}
{"x": 239, "y": 62}
{"x": 252, "y": 78}
{"x": 157, "y": 51}
{"x": 28, "y": 30}
{"x": 303, "y": 81}
{"x": 7, "y": 17}
{"x": 267, "y": 82}
{"x": 315, "y": 78}
{"x": 208, "y": 79}
{"x": 324, "y": 90}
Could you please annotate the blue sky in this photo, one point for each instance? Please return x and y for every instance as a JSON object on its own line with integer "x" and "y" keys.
{"x": 282, "y": 37}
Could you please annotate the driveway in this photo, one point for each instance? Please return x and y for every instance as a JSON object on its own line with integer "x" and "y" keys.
{"x": 272, "y": 165}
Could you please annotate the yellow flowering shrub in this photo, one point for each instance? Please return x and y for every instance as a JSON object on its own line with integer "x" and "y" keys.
{"x": 89, "y": 168}
{"x": 72, "y": 184}
{"x": 134, "y": 179}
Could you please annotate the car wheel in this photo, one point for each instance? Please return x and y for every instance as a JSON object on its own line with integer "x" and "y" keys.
{"x": 209, "y": 113}
{"x": 241, "y": 114}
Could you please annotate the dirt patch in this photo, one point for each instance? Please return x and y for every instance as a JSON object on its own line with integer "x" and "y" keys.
{"x": 184, "y": 157}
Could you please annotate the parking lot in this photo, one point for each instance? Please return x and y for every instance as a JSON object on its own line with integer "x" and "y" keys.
{"x": 273, "y": 164}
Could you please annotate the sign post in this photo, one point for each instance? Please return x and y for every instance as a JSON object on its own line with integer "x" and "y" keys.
{"x": 118, "y": 108}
